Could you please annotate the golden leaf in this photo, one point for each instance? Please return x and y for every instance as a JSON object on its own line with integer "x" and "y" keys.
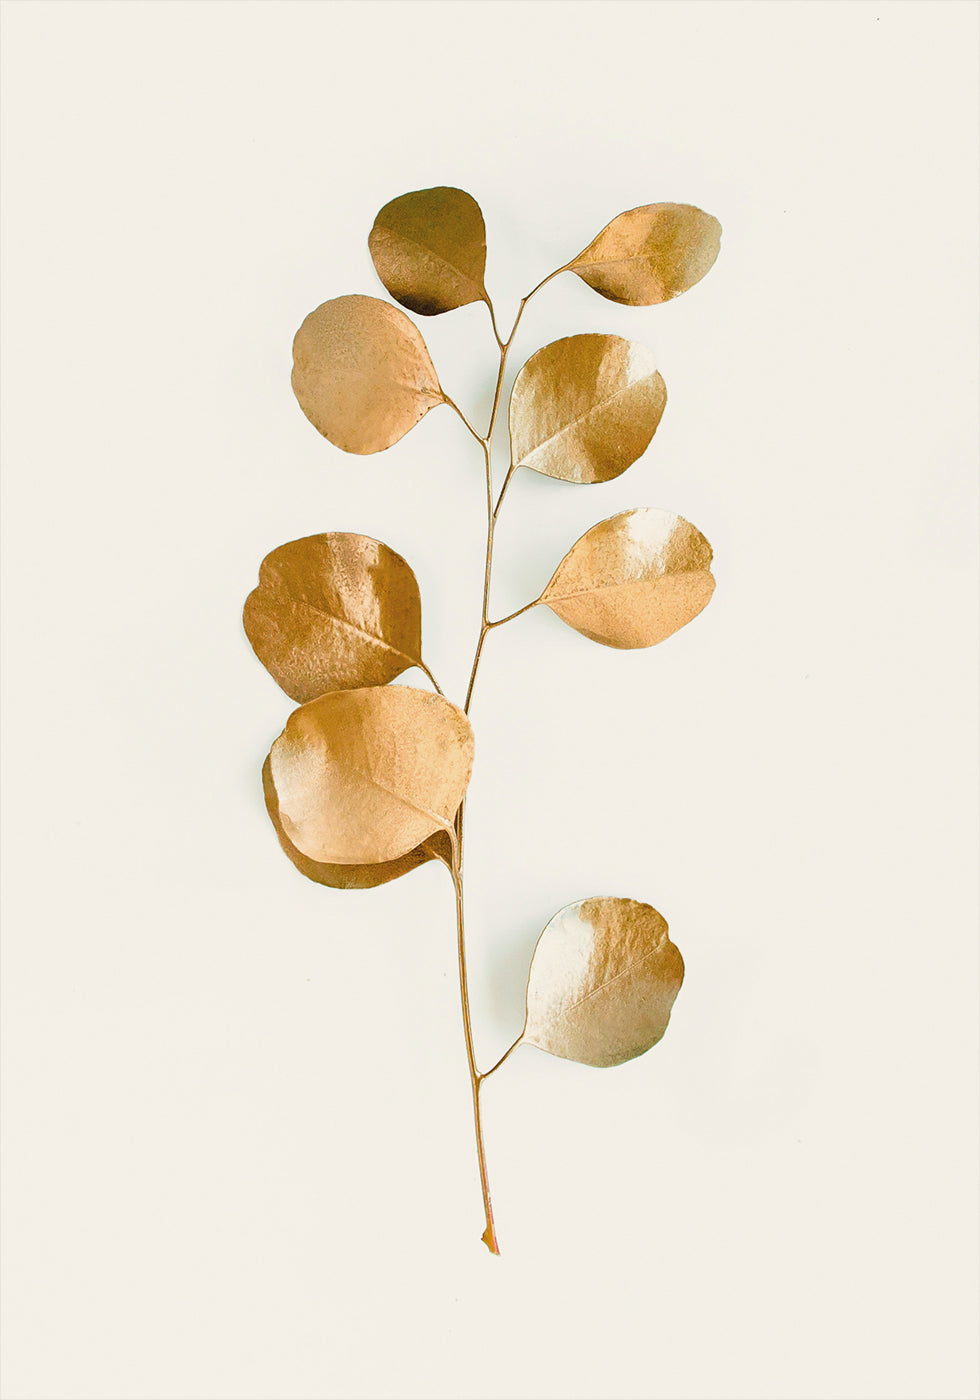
{"x": 352, "y": 877}
{"x": 603, "y": 979}
{"x": 362, "y": 374}
{"x": 585, "y": 408}
{"x": 334, "y": 612}
{"x": 430, "y": 250}
{"x": 363, "y": 776}
{"x": 650, "y": 254}
{"x": 634, "y": 579}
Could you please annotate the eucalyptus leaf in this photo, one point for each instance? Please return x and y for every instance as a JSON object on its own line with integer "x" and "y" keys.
{"x": 430, "y": 250}
{"x": 603, "y": 979}
{"x": 633, "y": 579}
{"x": 363, "y": 776}
{"x": 351, "y": 877}
{"x": 650, "y": 254}
{"x": 362, "y": 374}
{"x": 583, "y": 409}
{"x": 334, "y": 612}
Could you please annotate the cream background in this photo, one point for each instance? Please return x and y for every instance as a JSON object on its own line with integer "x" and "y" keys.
{"x": 238, "y": 1160}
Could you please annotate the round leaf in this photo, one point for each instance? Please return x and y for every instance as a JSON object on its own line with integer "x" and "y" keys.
{"x": 585, "y": 408}
{"x": 362, "y": 374}
{"x": 363, "y": 776}
{"x": 650, "y": 254}
{"x": 351, "y": 877}
{"x": 603, "y": 979}
{"x": 430, "y": 250}
{"x": 634, "y": 579}
{"x": 334, "y": 612}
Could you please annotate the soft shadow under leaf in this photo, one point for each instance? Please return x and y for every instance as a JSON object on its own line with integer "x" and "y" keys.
{"x": 603, "y": 979}
{"x": 650, "y": 254}
{"x": 351, "y": 877}
{"x": 334, "y": 612}
{"x": 634, "y": 579}
{"x": 584, "y": 408}
{"x": 362, "y": 374}
{"x": 363, "y": 776}
{"x": 430, "y": 250}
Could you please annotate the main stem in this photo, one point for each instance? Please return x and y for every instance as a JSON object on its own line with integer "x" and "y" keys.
{"x": 456, "y": 835}
{"x": 489, "y": 1234}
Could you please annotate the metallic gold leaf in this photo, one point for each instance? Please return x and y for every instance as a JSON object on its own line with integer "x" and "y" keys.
{"x": 585, "y": 408}
{"x": 650, "y": 254}
{"x": 363, "y": 776}
{"x": 352, "y": 877}
{"x": 634, "y": 579}
{"x": 603, "y": 979}
{"x": 430, "y": 250}
{"x": 362, "y": 374}
{"x": 334, "y": 612}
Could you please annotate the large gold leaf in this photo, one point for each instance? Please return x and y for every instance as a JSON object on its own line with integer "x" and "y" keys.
{"x": 603, "y": 980}
{"x": 430, "y": 250}
{"x": 362, "y": 374}
{"x": 585, "y": 408}
{"x": 334, "y": 612}
{"x": 650, "y": 254}
{"x": 634, "y": 579}
{"x": 363, "y": 776}
{"x": 352, "y": 877}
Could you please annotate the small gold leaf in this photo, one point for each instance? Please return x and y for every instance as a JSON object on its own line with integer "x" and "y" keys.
{"x": 603, "y": 979}
{"x": 430, "y": 250}
{"x": 634, "y": 579}
{"x": 650, "y": 254}
{"x": 363, "y": 776}
{"x": 352, "y": 877}
{"x": 334, "y": 612}
{"x": 362, "y": 374}
{"x": 585, "y": 408}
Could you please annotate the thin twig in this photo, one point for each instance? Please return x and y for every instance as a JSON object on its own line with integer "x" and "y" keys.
{"x": 456, "y": 408}
{"x": 510, "y": 616}
{"x": 422, "y": 667}
{"x": 503, "y": 1057}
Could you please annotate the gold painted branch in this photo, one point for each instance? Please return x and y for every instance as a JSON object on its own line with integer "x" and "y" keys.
{"x": 368, "y": 779}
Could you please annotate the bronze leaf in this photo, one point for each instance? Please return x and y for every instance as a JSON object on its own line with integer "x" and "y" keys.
{"x": 650, "y": 254}
{"x": 362, "y": 374}
{"x": 430, "y": 250}
{"x": 584, "y": 408}
{"x": 334, "y": 612}
{"x": 634, "y": 579}
{"x": 352, "y": 877}
{"x": 603, "y": 979}
{"x": 363, "y": 776}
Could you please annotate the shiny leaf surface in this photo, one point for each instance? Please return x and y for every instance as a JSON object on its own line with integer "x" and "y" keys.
{"x": 363, "y": 776}
{"x": 634, "y": 579}
{"x": 334, "y": 612}
{"x": 362, "y": 374}
{"x": 584, "y": 408}
{"x": 650, "y": 254}
{"x": 430, "y": 250}
{"x": 603, "y": 979}
{"x": 351, "y": 877}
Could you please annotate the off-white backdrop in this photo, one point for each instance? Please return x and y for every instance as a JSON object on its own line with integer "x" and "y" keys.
{"x": 239, "y": 1160}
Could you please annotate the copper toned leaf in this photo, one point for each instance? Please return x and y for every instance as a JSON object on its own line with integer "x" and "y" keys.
{"x": 634, "y": 579}
{"x": 352, "y": 877}
{"x": 603, "y": 980}
{"x": 430, "y": 250}
{"x": 650, "y": 254}
{"x": 334, "y": 612}
{"x": 584, "y": 408}
{"x": 363, "y": 776}
{"x": 362, "y": 374}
